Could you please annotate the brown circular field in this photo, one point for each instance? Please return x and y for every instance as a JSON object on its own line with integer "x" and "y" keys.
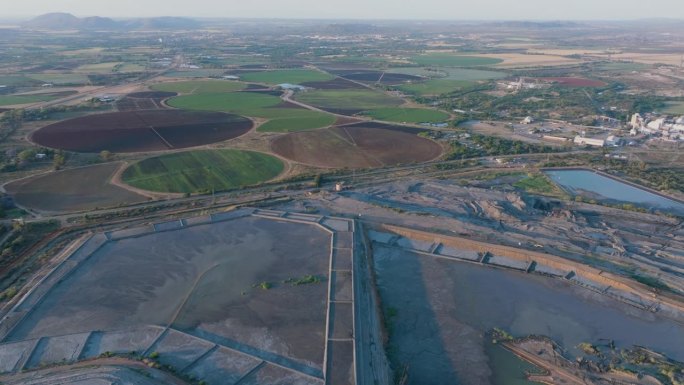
{"x": 137, "y": 131}
{"x": 152, "y": 95}
{"x": 355, "y": 147}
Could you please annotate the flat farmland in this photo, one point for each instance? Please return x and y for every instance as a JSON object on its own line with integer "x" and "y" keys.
{"x": 60, "y": 78}
{"x": 202, "y": 171}
{"x": 407, "y": 115}
{"x": 454, "y": 60}
{"x": 136, "y": 131}
{"x": 356, "y": 146}
{"x": 375, "y": 76}
{"x": 99, "y": 68}
{"x": 435, "y": 86}
{"x": 676, "y": 108}
{"x": 446, "y": 73}
{"x": 292, "y": 76}
{"x": 281, "y": 118}
{"x": 84, "y": 188}
{"x": 196, "y": 73}
{"x": 575, "y": 82}
{"x": 152, "y": 94}
{"x": 10, "y": 100}
{"x": 199, "y": 86}
{"x": 348, "y": 101}
{"x": 519, "y": 60}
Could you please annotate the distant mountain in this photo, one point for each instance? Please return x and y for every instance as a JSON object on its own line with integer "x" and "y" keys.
{"x": 67, "y": 21}
{"x": 54, "y": 21}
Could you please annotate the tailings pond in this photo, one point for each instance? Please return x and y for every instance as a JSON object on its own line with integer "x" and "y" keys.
{"x": 593, "y": 185}
{"x": 438, "y": 312}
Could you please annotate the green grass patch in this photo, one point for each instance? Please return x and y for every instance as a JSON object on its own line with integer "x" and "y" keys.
{"x": 99, "y": 68}
{"x": 349, "y": 99}
{"x": 10, "y": 100}
{"x": 293, "y": 76}
{"x": 256, "y": 105}
{"x": 675, "y": 108}
{"x": 197, "y": 73}
{"x": 60, "y": 78}
{"x": 407, "y": 115}
{"x": 16, "y": 80}
{"x": 297, "y": 120}
{"x": 305, "y": 280}
{"x": 435, "y": 87}
{"x": 131, "y": 67}
{"x": 453, "y": 60}
{"x": 538, "y": 184}
{"x": 202, "y": 171}
{"x": 200, "y": 86}
{"x": 622, "y": 66}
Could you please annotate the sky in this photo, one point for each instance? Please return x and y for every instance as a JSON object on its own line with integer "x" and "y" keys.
{"x": 358, "y": 9}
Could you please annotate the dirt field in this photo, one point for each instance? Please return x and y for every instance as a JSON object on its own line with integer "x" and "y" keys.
{"x": 77, "y": 189}
{"x": 223, "y": 282}
{"x": 356, "y": 146}
{"x": 136, "y": 131}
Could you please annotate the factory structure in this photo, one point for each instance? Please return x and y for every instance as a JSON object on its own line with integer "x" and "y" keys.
{"x": 667, "y": 128}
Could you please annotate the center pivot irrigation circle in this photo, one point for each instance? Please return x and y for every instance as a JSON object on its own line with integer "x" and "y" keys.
{"x": 139, "y": 131}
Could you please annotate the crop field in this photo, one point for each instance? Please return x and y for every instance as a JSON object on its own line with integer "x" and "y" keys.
{"x": 99, "y": 68}
{"x": 9, "y": 100}
{"x": 335, "y": 84}
{"x": 293, "y": 76}
{"x": 674, "y": 108}
{"x": 202, "y": 171}
{"x": 199, "y": 86}
{"x": 374, "y": 76}
{"x": 131, "y": 67}
{"x": 622, "y": 66}
{"x": 60, "y": 79}
{"x": 84, "y": 188}
{"x": 348, "y": 101}
{"x": 17, "y": 80}
{"x": 152, "y": 95}
{"x": 358, "y": 146}
{"x": 575, "y": 82}
{"x": 260, "y": 105}
{"x": 519, "y": 60}
{"x": 435, "y": 86}
{"x": 454, "y": 60}
{"x": 196, "y": 73}
{"x": 407, "y": 115}
{"x": 135, "y": 131}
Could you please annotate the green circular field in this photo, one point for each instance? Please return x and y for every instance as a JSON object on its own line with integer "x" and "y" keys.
{"x": 361, "y": 99}
{"x": 258, "y": 105}
{"x": 407, "y": 115}
{"x": 199, "y": 86}
{"x": 202, "y": 171}
{"x": 292, "y": 76}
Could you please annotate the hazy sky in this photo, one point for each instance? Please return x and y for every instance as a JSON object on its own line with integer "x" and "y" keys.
{"x": 358, "y": 9}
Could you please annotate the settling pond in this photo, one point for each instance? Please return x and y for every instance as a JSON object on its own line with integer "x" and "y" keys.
{"x": 596, "y": 186}
{"x": 439, "y": 311}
